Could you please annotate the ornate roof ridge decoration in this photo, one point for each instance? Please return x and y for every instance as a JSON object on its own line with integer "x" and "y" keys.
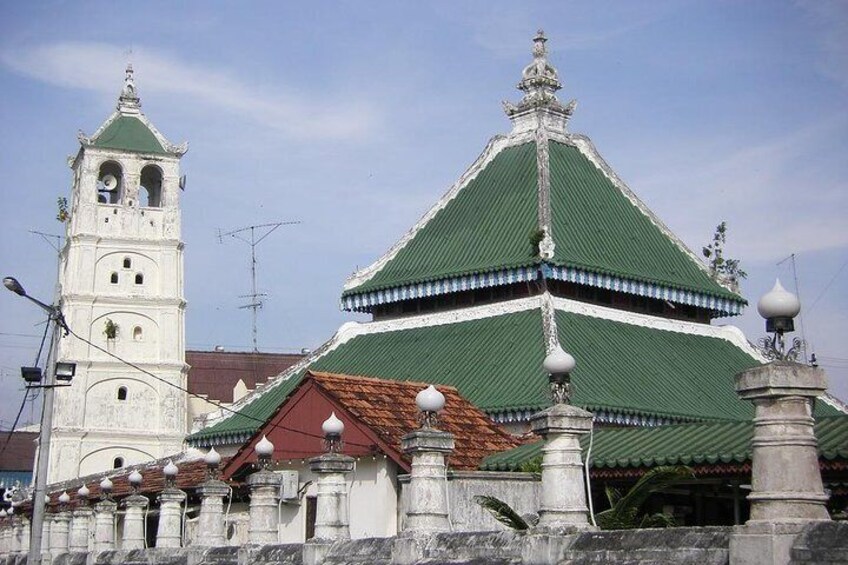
{"x": 351, "y": 330}
{"x": 129, "y": 106}
{"x": 539, "y": 83}
{"x": 129, "y": 101}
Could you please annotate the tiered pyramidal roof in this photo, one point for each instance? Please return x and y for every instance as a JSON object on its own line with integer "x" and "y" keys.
{"x": 538, "y": 243}
{"x": 540, "y": 202}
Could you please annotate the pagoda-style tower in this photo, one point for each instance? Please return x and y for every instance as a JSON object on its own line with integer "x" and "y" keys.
{"x": 121, "y": 288}
{"x": 538, "y": 243}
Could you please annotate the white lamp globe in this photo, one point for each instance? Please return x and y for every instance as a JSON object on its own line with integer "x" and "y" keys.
{"x": 83, "y": 492}
{"x": 2, "y": 513}
{"x": 778, "y": 303}
{"x": 264, "y": 448}
{"x": 64, "y": 498}
{"x": 106, "y": 484}
{"x": 212, "y": 458}
{"x": 558, "y": 361}
{"x": 170, "y": 470}
{"x": 430, "y": 400}
{"x": 332, "y": 426}
{"x": 135, "y": 478}
{"x": 46, "y": 499}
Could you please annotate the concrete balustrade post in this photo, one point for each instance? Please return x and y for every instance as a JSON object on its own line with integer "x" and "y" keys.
{"x": 211, "y": 528}
{"x": 264, "y": 492}
{"x": 563, "y": 496}
{"x": 59, "y": 533}
{"x": 332, "y": 520}
{"x": 23, "y": 544}
{"x": 428, "y": 504}
{"x": 786, "y": 484}
{"x": 169, "y": 533}
{"x": 104, "y": 525}
{"x": 134, "y": 508}
{"x": 80, "y": 530}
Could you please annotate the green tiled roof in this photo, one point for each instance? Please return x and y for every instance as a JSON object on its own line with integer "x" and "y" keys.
{"x": 128, "y": 133}
{"x": 486, "y": 228}
{"x": 681, "y": 444}
{"x": 598, "y": 229}
{"x": 495, "y": 363}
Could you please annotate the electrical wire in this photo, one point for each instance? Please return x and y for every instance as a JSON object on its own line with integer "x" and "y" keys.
{"x": 212, "y": 402}
{"x": 26, "y": 394}
{"x": 586, "y": 469}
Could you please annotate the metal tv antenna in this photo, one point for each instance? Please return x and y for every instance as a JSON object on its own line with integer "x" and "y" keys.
{"x": 257, "y": 234}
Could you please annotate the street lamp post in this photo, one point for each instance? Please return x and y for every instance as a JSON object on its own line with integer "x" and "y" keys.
{"x": 34, "y": 557}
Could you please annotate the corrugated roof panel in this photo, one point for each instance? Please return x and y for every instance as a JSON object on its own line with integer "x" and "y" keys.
{"x": 486, "y": 226}
{"x": 597, "y": 228}
{"x": 681, "y": 444}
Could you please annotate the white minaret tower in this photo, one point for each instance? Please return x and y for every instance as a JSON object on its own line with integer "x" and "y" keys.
{"x": 121, "y": 288}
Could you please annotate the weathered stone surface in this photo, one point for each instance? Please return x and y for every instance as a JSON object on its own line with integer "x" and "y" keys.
{"x": 370, "y": 550}
{"x": 652, "y": 546}
{"x": 476, "y": 547}
{"x": 71, "y": 559}
{"x": 283, "y": 554}
{"x": 822, "y": 542}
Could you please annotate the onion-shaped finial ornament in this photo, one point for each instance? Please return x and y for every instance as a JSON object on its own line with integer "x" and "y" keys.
{"x": 64, "y": 498}
{"x": 778, "y": 303}
{"x": 332, "y": 426}
{"x": 212, "y": 458}
{"x": 83, "y": 492}
{"x": 264, "y": 450}
{"x": 779, "y": 306}
{"x": 430, "y": 402}
{"x": 170, "y": 470}
{"x": 135, "y": 479}
{"x": 2, "y": 513}
{"x": 106, "y": 487}
{"x": 558, "y": 361}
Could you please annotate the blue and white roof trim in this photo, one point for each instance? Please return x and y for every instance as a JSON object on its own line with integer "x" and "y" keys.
{"x": 364, "y": 302}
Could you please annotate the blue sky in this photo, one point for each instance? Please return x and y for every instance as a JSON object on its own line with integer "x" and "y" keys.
{"x": 354, "y": 117}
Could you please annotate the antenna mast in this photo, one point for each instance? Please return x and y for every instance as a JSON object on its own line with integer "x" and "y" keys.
{"x": 798, "y": 292}
{"x": 257, "y": 234}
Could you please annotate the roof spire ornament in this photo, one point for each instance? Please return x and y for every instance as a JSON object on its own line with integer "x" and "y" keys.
{"x": 539, "y": 83}
{"x": 129, "y": 102}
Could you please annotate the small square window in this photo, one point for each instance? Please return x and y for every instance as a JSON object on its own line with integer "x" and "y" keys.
{"x": 127, "y": 263}
{"x": 139, "y": 278}
{"x": 114, "y": 278}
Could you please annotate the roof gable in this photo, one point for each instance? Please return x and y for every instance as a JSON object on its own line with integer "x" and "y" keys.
{"x": 377, "y": 413}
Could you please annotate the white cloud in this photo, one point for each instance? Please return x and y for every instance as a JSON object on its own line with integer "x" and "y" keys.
{"x": 83, "y": 65}
{"x": 780, "y": 196}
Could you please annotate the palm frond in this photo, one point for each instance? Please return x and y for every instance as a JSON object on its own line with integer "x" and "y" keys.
{"x": 502, "y": 512}
{"x": 656, "y": 479}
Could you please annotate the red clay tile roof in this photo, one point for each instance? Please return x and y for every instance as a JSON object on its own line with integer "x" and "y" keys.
{"x": 215, "y": 373}
{"x": 19, "y": 454}
{"x": 388, "y": 408}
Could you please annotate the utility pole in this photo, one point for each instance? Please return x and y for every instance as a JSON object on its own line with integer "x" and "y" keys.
{"x": 43, "y": 462}
{"x": 255, "y": 299}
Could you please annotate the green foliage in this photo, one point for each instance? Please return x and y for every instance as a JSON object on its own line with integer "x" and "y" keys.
{"x": 63, "y": 215}
{"x": 625, "y": 509}
{"x": 532, "y": 466}
{"x": 536, "y": 238}
{"x": 111, "y": 329}
{"x": 721, "y": 267}
{"x": 502, "y": 512}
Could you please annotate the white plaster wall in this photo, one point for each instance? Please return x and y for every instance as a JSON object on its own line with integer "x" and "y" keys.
{"x": 372, "y": 495}
{"x": 91, "y": 426}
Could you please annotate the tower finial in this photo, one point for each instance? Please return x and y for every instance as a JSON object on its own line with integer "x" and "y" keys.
{"x": 539, "y": 83}
{"x": 129, "y": 102}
